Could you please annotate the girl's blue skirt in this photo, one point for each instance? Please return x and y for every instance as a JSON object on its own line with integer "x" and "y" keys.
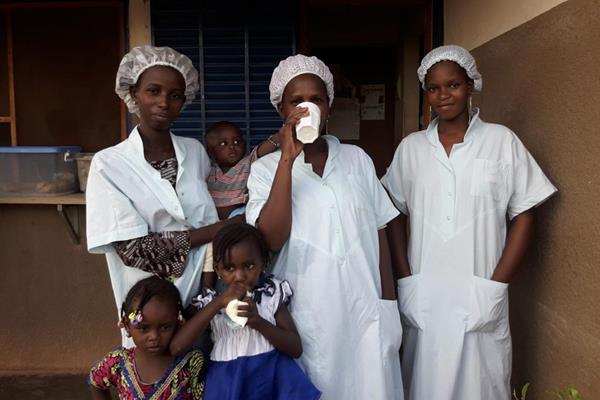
{"x": 267, "y": 376}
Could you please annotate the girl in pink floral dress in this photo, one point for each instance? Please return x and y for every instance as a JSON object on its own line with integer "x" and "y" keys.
{"x": 151, "y": 314}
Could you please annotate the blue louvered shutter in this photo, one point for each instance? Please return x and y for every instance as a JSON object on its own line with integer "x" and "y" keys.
{"x": 235, "y": 48}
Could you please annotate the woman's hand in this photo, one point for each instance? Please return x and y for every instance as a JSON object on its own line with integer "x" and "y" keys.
{"x": 250, "y": 311}
{"x": 275, "y": 219}
{"x": 200, "y": 236}
{"x": 235, "y": 291}
{"x": 290, "y": 146}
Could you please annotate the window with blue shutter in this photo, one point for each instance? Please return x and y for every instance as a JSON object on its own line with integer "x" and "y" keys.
{"x": 235, "y": 45}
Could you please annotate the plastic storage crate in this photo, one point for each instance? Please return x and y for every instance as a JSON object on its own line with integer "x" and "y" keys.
{"x": 38, "y": 170}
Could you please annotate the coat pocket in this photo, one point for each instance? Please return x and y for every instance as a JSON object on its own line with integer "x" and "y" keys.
{"x": 488, "y": 305}
{"x": 408, "y": 301}
{"x": 390, "y": 328}
{"x": 489, "y": 179}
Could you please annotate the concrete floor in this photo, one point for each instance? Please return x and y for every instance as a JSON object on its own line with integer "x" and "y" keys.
{"x": 56, "y": 387}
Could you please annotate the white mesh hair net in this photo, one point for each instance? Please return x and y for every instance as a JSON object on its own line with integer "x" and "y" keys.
{"x": 296, "y": 65}
{"x": 459, "y": 55}
{"x": 140, "y": 59}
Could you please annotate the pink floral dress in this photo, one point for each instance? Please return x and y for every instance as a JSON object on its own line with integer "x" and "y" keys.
{"x": 183, "y": 380}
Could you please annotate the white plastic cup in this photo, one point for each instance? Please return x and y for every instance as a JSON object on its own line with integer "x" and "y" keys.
{"x": 307, "y": 129}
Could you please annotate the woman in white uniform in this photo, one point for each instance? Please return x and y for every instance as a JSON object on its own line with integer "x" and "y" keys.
{"x": 457, "y": 182}
{"x": 323, "y": 207}
{"x": 148, "y": 206}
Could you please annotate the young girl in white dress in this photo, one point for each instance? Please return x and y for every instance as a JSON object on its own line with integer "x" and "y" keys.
{"x": 255, "y": 343}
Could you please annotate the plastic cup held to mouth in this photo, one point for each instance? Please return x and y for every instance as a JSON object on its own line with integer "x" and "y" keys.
{"x": 307, "y": 129}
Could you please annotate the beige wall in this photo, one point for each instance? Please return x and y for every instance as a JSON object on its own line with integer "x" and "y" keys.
{"x": 542, "y": 80}
{"x": 470, "y": 23}
{"x": 58, "y": 311}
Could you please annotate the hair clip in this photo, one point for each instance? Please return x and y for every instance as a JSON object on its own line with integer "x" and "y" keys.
{"x": 135, "y": 317}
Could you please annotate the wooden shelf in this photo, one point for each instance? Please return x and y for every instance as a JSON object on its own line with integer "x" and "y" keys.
{"x": 66, "y": 199}
{"x": 65, "y": 205}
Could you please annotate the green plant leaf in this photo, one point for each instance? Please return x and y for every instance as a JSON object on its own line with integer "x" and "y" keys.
{"x": 524, "y": 391}
{"x": 557, "y": 393}
{"x": 573, "y": 393}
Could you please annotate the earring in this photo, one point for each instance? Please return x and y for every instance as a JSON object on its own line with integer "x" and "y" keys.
{"x": 470, "y": 104}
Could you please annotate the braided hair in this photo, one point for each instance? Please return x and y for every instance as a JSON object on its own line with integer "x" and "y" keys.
{"x": 234, "y": 234}
{"x": 146, "y": 289}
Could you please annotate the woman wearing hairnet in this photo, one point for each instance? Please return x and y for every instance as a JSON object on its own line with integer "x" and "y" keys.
{"x": 148, "y": 206}
{"x": 457, "y": 182}
{"x": 323, "y": 207}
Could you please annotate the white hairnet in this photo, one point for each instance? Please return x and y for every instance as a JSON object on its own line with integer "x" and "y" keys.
{"x": 141, "y": 58}
{"x": 459, "y": 55}
{"x": 296, "y": 65}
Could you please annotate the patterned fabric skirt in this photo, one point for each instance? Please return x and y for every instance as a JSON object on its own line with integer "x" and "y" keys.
{"x": 267, "y": 376}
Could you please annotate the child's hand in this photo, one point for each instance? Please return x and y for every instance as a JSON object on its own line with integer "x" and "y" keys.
{"x": 235, "y": 291}
{"x": 250, "y": 311}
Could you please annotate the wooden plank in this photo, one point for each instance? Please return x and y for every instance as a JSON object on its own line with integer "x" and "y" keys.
{"x": 428, "y": 45}
{"x": 5, "y": 120}
{"x": 11, "y": 80}
{"x": 62, "y": 4}
{"x": 123, "y": 109}
{"x": 74, "y": 199}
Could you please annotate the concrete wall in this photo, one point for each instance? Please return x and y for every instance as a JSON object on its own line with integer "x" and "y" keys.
{"x": 542, "y": 80}
{"x": 58, "y": 311}
{"x": 471, "y": 23}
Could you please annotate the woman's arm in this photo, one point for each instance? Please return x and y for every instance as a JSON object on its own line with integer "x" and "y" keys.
{"x": 520, "y": 235}
{"x": 397, "y": 236}
{"x": 206, "y": 234}
{"x": 162, "y": 253}
{"x": 268, "y": 146}
{"x": 283, "y": 336}
{"x": 275, "y": 219}
{"x": 165, "y": 253}
{"x": 388, "y": 287}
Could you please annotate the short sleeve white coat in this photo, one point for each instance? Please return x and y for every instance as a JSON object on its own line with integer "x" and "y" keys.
{"x": 350, "y": 336}
{"x": 457, "y": 341}
{"x": 126, "y": 198}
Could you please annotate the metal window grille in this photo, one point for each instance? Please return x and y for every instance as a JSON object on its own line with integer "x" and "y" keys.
{"x": 235, "y": 46}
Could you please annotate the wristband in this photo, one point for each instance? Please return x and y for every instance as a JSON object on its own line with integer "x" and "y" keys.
{"x": 270, "y": 140}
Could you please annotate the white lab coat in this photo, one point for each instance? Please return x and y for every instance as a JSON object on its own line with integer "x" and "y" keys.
{"x": 126, "y": 198}
{"x": 457, "y": 341}
{"x": 351, "y": 338}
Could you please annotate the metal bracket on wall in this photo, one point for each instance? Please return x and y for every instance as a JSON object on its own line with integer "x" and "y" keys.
{"x": 70, "y": 216}
{"x": 66, "y": 205}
